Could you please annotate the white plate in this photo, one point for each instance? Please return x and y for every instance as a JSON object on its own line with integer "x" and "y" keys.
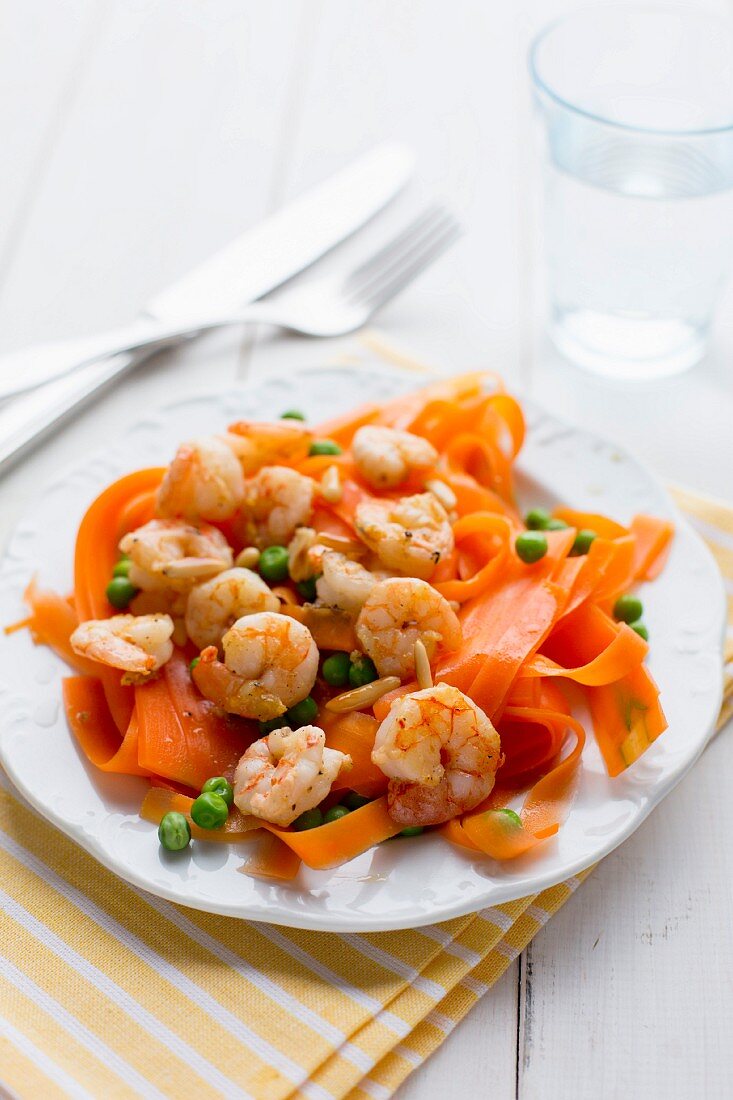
{"x": 399, "y": 884}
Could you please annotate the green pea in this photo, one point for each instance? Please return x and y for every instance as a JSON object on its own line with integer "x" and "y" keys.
{"x": 641, "y": 630}
{"x": 303, "y": 713}
{"x": 531, "y": 546}
{"x": 411, "y": 830}
{"x": 292, "y": 414}
{"x": 193, "y": 663}
{"x": 307, "y": 589}
{"x": 119, "y": 592}
{"x": 310, "y": 819}
{"x": 335, "y": 669}
{"x": 537, "y": 519}
{"x": 272, "y": 724}
{"x": 273, "y": 564}
{"x": 324, "y": 447}
{"x": 174, "y": 832}
{"x": 122, "y": 568}
{"x": 221, "y": 786}
{"x": 355, "y": 801}
{"x": 209, "y": 811}
{"x": 628, "y": 609}
{"x": 512, "y": 816}
{"x": 362, "y": 671}
{"x": 334, "y": 814}
{"x": 583, "y": 541}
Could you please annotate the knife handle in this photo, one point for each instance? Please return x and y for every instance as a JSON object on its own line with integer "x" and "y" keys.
{"x": 25, "y": 420}
{"x": 39, "y": 364}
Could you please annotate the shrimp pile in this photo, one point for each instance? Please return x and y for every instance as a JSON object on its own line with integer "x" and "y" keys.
{"x": 355, "y": 619}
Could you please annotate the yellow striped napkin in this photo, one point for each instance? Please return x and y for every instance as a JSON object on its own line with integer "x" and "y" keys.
{"x": 109, "y": 992}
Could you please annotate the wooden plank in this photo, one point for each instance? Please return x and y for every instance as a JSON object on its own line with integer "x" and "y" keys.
{"x": 477, "y": 1061}
{"x": 628, "y": 990}
{"x": 630, "y": 987}
{"x": 443, "y": 82}
{"x": 43, "y": 52}
{"x": 166, "y": 154}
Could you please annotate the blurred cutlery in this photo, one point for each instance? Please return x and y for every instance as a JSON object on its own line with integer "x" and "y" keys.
{"x": 319, "y": 307}
{"x": 261, "y": 259}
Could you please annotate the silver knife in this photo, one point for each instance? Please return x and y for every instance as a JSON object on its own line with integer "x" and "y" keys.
{"x": 257, "y": 262}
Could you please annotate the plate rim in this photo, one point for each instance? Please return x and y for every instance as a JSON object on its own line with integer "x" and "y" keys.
{"x": 495, "y": 893}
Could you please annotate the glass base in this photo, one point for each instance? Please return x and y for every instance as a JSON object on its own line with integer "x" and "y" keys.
{"x": 627, "y": 347}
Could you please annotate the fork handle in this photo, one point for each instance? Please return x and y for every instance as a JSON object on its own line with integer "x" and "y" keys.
{"x": 27, "y": 419}
{"x": 41, "y": 363}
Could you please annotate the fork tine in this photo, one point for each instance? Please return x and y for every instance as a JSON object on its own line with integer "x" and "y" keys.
{"x": 382, "y": 291}
{"x": 401, "y": 257}
{"x": 384, "y": 258}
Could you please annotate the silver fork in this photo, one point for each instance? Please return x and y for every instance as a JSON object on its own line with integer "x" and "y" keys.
{"x": 329, "y": 306}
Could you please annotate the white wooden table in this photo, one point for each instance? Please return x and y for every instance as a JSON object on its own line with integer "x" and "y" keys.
{"x": 137, "y": 137}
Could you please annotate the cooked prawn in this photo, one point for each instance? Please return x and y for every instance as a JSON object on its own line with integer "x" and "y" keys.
{"x": 397, "y": 612}
{"x": 137, "y": 644}
{"x": 276, "y": 501}
{"x": 270, "y": 663}
{"x": 171, "y": 554}
{"x": 386, "y": 457}
{"x": 344, "y": 583}
{"x": 215, "y": 605}
{"x": 204, "y": 481}
{"x": 289, "y": 771}
{"x": 440, "y": 752}
{"x": 410, "y": 535}
{"x": 259, "y": 444}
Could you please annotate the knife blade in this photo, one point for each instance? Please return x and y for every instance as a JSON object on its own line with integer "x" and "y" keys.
{"x": 291, "y": 239}
{"x": 254, "y": 264}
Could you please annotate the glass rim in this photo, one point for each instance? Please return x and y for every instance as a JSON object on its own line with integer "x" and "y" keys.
{"x": 574, "y": 108}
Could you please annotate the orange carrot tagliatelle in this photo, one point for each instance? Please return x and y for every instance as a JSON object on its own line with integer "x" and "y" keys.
{"x": 535, "y": 632}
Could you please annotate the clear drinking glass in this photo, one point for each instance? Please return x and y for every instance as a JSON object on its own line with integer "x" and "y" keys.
{"x": 637, "y": 106}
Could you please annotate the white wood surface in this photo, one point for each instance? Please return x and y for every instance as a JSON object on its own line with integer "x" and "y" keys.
{"x": 140, "y": 136}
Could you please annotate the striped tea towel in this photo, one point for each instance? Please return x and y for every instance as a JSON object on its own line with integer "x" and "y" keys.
{"x": 107, "y": 992}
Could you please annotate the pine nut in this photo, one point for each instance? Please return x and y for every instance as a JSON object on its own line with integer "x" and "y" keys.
{"x": 249, "y": 558}
{"x": 349, "y": 547}
{"x": 364, "y": 696}
{"x": 423, "y": 673}
{"x": 442, "y": 492}
{"x": 331, "y": 489}
{"x": 193, "y": 567}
